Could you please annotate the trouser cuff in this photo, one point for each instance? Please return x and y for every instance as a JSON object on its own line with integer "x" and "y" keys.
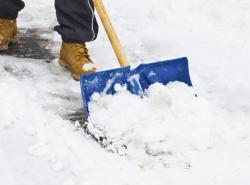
{"x": 8, "y": 16}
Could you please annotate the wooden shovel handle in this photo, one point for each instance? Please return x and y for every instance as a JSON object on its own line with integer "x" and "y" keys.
{"x": 99, "y": 6}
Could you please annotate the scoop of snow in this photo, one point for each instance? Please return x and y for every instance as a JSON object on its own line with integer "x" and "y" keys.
{"x": 170, "y": 121}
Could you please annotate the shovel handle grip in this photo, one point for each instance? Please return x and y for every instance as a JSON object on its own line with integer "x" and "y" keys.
{"x": 113, "y": 38}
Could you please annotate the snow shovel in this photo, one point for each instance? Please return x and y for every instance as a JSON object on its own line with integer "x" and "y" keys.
{"x": 136, "y": 80}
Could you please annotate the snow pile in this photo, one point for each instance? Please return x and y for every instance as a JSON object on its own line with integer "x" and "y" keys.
{"x": 168, "y": 122}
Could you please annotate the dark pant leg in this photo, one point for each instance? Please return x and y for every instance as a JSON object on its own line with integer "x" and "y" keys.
{"x": 9, "y": 8}
{"x": 77, "y": 22}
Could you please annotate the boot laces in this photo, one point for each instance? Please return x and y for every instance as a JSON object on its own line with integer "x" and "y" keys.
{"x": 81, "y": 51}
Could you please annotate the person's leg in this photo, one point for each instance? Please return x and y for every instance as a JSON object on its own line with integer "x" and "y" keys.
{"x": 9, "y": 8}
{"x": 77, "y": 22}
{"x": 8, "y": 29}
{"x": 77, "y": 25}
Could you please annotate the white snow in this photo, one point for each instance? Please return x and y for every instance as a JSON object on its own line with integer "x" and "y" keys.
{"x": 88, "y": 67}
{"x": 169, "y": 125}
{"x": 172, "y": 137}
{"x": 159, "y": 125}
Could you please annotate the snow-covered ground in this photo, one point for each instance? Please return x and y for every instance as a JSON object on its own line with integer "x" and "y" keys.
{"x": 172, "y": 137}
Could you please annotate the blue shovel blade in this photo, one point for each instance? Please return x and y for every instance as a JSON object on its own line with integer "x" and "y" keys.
{"x": 137, "y": 80}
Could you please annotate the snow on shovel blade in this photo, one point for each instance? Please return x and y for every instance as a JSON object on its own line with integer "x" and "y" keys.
{"x": 136, "y": 80}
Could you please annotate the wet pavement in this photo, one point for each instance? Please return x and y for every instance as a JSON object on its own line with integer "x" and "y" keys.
{"x": 31, "y": 45}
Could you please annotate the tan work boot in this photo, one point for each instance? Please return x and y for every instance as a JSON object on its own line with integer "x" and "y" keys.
{"x": 75, "y": 57}
{"x": 8, "y": 33}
